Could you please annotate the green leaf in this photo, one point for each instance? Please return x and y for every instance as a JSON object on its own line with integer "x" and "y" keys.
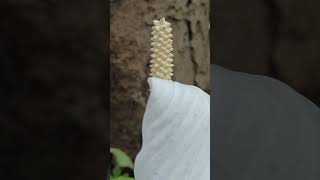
{"x": 123, "y": 178}
{"x": 116, "y": 171}
{"x": 122, "y": 159}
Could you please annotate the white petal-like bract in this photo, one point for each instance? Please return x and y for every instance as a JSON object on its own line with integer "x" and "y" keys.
{"x": 176, "y": 133}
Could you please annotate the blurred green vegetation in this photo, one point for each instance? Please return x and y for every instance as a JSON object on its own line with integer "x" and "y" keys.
{"x": 122, "y": 165}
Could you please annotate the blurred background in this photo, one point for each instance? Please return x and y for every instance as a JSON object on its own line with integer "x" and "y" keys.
{"x": 277, "y": 38}
{"x": 53, "y": 71}
{"x": 131, "y": 23}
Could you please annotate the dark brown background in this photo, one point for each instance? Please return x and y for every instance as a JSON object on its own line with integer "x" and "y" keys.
{"x": 53, "y": 69}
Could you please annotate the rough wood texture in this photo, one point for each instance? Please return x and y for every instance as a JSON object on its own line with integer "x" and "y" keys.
{"x": 131, "y": 22}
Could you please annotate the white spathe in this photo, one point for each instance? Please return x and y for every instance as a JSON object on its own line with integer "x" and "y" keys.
{"x": 175, "y": 132}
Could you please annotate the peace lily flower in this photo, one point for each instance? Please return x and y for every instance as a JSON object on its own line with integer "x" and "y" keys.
{"x": 176, "y": 122}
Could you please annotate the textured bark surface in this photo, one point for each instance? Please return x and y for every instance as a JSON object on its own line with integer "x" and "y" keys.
{"x": 131, "y": 22}
{"x": 277, "y": 38}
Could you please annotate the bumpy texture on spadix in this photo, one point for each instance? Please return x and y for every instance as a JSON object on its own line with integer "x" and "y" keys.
{"x": 162, "y": 56}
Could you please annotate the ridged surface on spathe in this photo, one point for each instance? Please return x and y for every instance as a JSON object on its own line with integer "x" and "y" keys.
{"x": 162, "y": 56}
{"x": 176, "y": 133}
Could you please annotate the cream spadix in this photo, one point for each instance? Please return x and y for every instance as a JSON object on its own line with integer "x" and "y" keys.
{"x": 161, "y": 56}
